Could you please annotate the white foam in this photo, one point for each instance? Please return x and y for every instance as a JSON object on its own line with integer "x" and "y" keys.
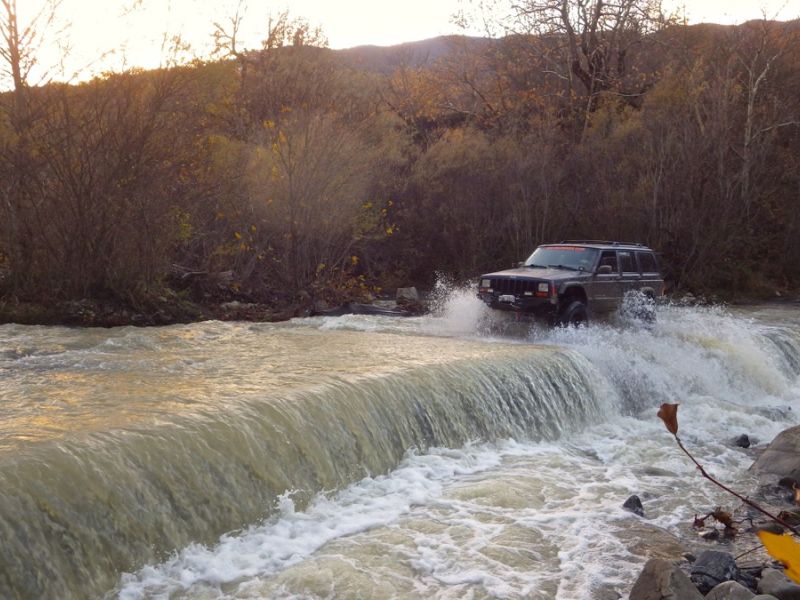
{"x": 293, "y": 535}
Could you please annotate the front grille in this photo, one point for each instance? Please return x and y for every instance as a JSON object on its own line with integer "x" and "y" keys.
{"x": 514, "y": 286}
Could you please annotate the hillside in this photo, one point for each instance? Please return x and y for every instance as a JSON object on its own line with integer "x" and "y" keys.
{"x": 335, "y": 174}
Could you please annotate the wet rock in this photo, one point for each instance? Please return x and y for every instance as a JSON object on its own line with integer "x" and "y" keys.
{"x": 662, "y": 580}
{"x": 648, "y": 541}
{"x": 320, "y": 306}
{"x": 711, "y": 568}
{"x": 657, "y": 472}
{"x": 709, "y": 535}
{"x": 775, "y": 528}
{"x": 791, "y": 517}
{"x": 782, "y": 457}
{"x": 743, "y": 441}
{"x": 775, "y": 583}
{"x": 353, "y": 308}
{"x": 730, "y": 590}
{"x": 749, "y": 578}
{"x": 634, "y": 504}
{"x": 407, "y": 295}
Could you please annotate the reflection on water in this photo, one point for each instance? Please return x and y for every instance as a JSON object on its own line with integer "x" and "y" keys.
{"x": 137, "y": 378}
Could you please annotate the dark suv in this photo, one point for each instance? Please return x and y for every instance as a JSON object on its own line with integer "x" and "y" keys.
{"x": 566, "y": 283}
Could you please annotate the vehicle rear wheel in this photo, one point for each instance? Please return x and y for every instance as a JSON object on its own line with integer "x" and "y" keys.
{"x": 575, "y": 314}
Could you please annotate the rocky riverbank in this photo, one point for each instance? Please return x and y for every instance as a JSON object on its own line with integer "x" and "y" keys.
{"x": 747, "y": 572}
{"x": 171, "y": 308}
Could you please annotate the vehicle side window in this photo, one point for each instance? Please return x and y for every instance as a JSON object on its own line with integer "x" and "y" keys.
{"x": 609, "y": 258}
{"x": 627, "y": 262}
{"x": 647, "y": 261}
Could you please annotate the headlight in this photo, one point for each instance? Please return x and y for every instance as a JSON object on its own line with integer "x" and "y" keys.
{"x": 485, "y": 283}
{"x": 544, "y": 287}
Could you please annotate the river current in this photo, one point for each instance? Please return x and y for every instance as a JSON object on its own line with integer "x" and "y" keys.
{"x": 445, "y": 456}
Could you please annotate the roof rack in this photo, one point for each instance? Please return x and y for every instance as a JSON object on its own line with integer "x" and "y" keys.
{"x": 605, "y": 242}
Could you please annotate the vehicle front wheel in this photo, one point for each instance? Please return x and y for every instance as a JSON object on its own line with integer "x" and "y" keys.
{"x": 574, "y": 313}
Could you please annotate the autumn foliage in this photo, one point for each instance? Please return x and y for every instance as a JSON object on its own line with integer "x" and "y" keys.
{"x": 266, "y": 172}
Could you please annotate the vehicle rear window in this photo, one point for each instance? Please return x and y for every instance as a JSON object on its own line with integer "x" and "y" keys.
{"x": 627, "y": 262}
{"x": 647, "y": 262}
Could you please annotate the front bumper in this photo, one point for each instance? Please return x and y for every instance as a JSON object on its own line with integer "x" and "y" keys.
{"x": 538, "y": 307}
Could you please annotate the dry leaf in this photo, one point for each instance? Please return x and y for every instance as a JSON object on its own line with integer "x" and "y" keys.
{"x": 669, "y": 414}
{"x": 796, "y": 494}
{"x": 723, "y": 517}
{"x": 785, "y": 549}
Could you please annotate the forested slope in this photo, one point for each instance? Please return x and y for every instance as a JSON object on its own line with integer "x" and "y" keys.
{"x": 299, "y": 168}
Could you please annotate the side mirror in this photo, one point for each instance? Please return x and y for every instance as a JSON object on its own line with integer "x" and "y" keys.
{"x": 605, "y": 270}
{"x": 519, "y": 264}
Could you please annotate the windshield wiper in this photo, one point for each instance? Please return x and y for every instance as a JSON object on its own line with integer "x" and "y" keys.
{"x": 563, "y": 267}
{"x": 534, "y": 266}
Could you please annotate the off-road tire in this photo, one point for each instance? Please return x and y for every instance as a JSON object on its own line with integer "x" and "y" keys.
{"x": 574, "y": 313}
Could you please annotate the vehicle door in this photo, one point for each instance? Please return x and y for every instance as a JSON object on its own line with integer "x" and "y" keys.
{"x": 651, "y": 281}
{"x": 606, "y": 285}
{"x": 631, "y": 279}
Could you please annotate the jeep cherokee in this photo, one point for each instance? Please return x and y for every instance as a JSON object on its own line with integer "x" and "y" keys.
{"x": 566, "y": 283}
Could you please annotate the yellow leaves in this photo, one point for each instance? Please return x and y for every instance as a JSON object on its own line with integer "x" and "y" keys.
{"x": 390, "y": 230}
{"x": 237, "y": 235}
{"x": 783, "y": 548}
{"x": 269, "y": 124}
{"x": 354, "y": 260}
{"x": 321, "y": 267}
{"x": 367, "y": 205}
{"x": 183, "y": 223}
{"x": 669, "y": 414}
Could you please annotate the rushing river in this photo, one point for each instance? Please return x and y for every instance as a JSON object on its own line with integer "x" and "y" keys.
{"x": 372, "y": 457}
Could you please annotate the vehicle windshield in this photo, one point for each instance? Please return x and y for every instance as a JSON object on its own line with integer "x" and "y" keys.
{"x": 576, "y": 258}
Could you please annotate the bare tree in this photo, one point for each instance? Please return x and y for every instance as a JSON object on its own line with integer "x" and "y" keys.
{"x": 592, "y": 44}
{"x": 20, "y": 43}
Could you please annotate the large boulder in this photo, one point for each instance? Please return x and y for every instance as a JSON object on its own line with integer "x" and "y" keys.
{"x": 775, "y": 583}
{"x": 712, "y": 568}
{"x": 649, "y": 541}
{"x": 781, "y": 458}
{"x": 730, "y": 590}
{"x": 663, "y": 580}
{"x": 407, "y": 295}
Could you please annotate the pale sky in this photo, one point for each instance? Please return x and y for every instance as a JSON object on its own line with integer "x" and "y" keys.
{"x": 133, "y": 36}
